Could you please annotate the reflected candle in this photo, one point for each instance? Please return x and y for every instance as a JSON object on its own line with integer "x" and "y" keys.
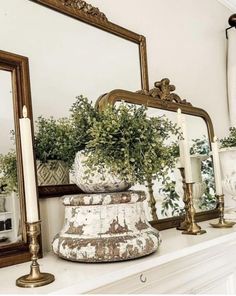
{"x": 216, "y": 165}
{"x": 31, "y": 199}
{"x": 185, "y": 160}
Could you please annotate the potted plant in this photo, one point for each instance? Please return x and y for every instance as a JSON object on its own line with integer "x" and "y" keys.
{"x": 54, "y": 149}
{"x": 119, "y": 146}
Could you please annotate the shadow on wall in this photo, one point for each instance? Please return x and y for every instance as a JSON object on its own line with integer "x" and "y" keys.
{"x": 52, "y": 216}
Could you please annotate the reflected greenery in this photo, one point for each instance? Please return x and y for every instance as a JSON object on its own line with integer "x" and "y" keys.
{"x": 8, "y": 172}
{"x": 172, "y": 201}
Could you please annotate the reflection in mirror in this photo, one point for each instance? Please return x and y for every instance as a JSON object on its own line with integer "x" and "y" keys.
{"x": 66, "y": 60}
{"x": 168, "y": 193}
{"x": 10, "y": 230}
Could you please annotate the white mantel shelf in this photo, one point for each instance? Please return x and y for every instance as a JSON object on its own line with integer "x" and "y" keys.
{"x": 77, "y": 278}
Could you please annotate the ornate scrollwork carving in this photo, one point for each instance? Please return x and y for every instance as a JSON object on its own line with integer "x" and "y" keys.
{"x": 163, "y": 91}
{"x": 85, "y": 7}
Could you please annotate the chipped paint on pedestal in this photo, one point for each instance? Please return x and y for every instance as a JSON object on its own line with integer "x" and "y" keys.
{"x": 105, "y": 227}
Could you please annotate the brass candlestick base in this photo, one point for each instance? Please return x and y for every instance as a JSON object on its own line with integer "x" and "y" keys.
{"x": 183, "y": 226}
{"x": 222, "y": 223}
{"x": 35, "y": 278}
{"x": 192, "y": 228}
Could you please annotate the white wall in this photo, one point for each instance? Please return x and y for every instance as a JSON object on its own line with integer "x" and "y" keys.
{"x": 66, "y": 57}
{"x": 186, "y": 42}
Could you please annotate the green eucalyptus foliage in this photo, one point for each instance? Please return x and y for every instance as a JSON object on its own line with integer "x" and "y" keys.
{"x": 229, "y": 141}
{"x": 171, "y": 199}
{"x": 83, "y": 116}
{"x": 8, "y": 172}
{"x": 54, "y": 140}
{"x": 122, "y": 139}
{"x": 130, "y": 144}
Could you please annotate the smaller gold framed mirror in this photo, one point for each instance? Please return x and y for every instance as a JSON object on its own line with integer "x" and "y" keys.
{"x": 165, "y": 208}
{"x": 14, "y": 94}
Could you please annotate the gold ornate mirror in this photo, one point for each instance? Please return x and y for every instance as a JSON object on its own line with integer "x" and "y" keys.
{"x": 166, "y": 205}
{"x": 73, "y": 50}
{"x": 14, "y": 93}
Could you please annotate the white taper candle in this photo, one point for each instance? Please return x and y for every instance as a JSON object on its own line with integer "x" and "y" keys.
{"x": 216, "y": 165}
{"x": 181, "y": 142}
{"x": 28, "y": 168}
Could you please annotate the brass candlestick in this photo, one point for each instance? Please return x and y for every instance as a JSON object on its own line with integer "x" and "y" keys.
{"x": 193, "y": 228}
{"x": 35, "y": 278}
{"x": 184, "y": 225}
{"x": 222, "y": 223}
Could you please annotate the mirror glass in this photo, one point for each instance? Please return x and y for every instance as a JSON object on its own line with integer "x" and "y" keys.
{"x": 10, "y": 230}
{"x": 67, "y": 58}
{"x": 169, "y": 194}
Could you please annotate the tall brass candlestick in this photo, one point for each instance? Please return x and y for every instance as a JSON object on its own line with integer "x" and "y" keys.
{"x": 222, "y": 223}
{"x": 35, "y": 278}
{"x": 193, "y": 228}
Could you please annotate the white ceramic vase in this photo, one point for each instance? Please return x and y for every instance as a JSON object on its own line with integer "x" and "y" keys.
{"x": 99, "y": 181}
{"x": 228, "y": 168}
{"x": 198, "y": 190}
{"x": 199, "y": 186}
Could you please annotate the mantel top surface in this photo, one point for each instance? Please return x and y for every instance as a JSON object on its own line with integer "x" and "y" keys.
{"x": 82, "y": 277}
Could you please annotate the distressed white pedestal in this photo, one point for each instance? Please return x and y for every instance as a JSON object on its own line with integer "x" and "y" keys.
{"x": 101, "y": 227}
{"x": 202, "y": 264}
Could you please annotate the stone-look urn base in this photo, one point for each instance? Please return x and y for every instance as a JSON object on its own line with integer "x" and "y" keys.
{"x": 105, "y": 227}
{"x": 53, "y": 172}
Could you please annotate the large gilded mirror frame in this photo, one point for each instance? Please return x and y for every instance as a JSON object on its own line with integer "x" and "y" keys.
{"x": 82, "y": 11}
{"x": 161, "y": 97}
{"x": 17, "y": 65}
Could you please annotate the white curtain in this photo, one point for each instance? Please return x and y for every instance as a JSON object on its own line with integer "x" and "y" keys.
{"x": 231, "y": 72}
